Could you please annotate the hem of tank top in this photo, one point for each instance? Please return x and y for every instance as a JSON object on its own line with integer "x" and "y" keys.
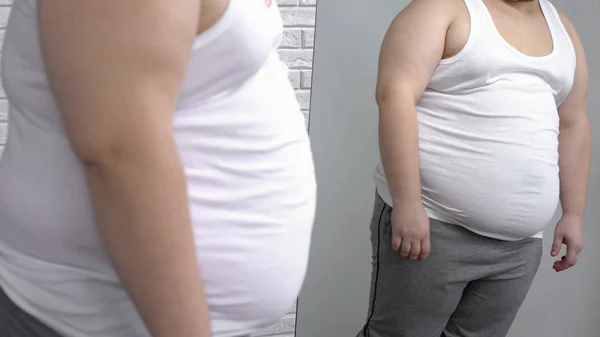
{"x": 23, "y": 304}
{"x": 213, "y": 31}
{"x": 439, "y": 217}
{"x": 468, "y": 43}
{"x": 16, "y": 299}
{"x": 386, "y": 197}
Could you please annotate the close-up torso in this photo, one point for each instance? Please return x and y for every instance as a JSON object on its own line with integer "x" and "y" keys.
{"x": 243, "y": 143}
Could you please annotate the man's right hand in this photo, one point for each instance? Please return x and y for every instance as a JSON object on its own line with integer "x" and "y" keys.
{"x": 407, "y": 61}
{"x": 410, "y": 232}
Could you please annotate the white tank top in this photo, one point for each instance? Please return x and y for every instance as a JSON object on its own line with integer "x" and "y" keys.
{"x": 246, "y": 153}
{"x": 488, "y": 132}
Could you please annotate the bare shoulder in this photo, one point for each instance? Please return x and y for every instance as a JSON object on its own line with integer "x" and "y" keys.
{"x": 577, "y": 44}
{"x": 422, "y": 17}
{"x": 570, "y": 28}
{"x": 443, "y": 5}
{"x": 414, "y": 44}
{"x": 441, "y": 9}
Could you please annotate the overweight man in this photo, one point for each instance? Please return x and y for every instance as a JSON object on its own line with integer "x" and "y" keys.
{"x": 483, "y": 129}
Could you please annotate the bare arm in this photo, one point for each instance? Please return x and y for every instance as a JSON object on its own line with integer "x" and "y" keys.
{"x": 575, "y": 138}
{"x": 411, "y": 50}
{"x": 116, "y": 68}
{"x": 574, "y": 161}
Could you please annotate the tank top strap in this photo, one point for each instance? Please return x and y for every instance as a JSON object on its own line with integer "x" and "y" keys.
{"x": 561, "y": 37}
{"x": 478, "y": 13}
{"x": 552, "y": 17}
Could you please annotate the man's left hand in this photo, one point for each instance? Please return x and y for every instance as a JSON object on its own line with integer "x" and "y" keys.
{"x": 568, "y": 231}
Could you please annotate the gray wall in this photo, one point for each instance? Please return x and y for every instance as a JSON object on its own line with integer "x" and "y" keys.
{"x": 343, "y": 125}
{"x": 334, "y": 300}
{"x": 4, "y": 12}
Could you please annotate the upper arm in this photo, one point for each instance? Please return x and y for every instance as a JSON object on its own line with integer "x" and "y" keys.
{"x": 116, "y": 67}
{"x": 573, "y": 108}
{"x": 413, "y": 47}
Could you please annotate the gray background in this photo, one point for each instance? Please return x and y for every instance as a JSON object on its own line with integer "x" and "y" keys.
{"x": 334, "y": 300}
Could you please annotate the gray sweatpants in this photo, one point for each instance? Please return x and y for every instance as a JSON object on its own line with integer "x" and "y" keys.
{"x": 14, "y": 322}
{"x": 469, "y": 286}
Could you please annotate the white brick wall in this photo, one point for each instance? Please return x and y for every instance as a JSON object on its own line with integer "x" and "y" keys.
{"x": 4, "y": 11}
{"x": 296, "y": 51}
{"x": 296, "y": 48}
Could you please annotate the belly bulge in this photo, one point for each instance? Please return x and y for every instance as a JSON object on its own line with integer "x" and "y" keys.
{"x": 507, "y": 190}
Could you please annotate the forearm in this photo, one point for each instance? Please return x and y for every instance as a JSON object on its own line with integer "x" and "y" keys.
{"x": 574, "y": 164}
{"x": 141, "y": 209}
{"x": 399, "y": 148}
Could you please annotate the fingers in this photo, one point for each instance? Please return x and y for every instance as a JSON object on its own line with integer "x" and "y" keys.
{"x": 561, "y": 265}
{"x": 396, "y": 242}
{"x": 570, "y": 259}
{"x": 415, "y": 250}
{"x": 425, "y": 249}
{"x": 558, "y": 241}
{"x": 405, "y": 248}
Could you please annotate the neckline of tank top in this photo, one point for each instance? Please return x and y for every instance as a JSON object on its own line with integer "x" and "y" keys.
{"x": 224, "y": 21}
{"x": 547, "y": 17}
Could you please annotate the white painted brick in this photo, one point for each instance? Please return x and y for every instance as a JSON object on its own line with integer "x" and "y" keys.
{"x": 300, "y": 59}
{"x": 306, "y": 119}
{"x": 308, "y": 38}
{"x": 3, "y": 110}
{"x": 286, "y": 325}
{"x": 303, "y": 97}
{"x": 298, "y": 16}
{"x": 306, "y": 79}
{"x": 308, "y": 2}
{"x": 292, "y": 38}
{"x": 3, "y": 131}
{"x": 283, "y": 3}
{"x": 2, "y": 93}
{"x": 4, "y": 13}
{"x": 294, "y": 76}
{"x": 2, "y": 32}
